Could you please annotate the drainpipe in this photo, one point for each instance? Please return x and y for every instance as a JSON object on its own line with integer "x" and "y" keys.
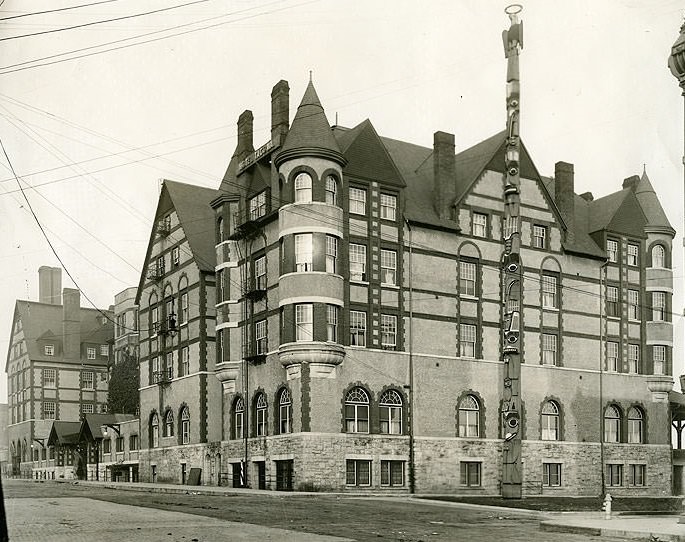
{"x": 602, "y": 346}
{"x": 410, "y": 411}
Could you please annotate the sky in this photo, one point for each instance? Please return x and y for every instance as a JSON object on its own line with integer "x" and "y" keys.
{"x": 154, "y": 96}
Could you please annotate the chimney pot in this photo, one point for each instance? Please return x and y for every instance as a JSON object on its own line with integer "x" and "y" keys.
{"x": 631, "y": 182}
{"x": 587, "y": 196}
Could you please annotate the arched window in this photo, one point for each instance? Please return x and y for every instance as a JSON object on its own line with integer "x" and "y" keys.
{"x": 185, "y": 425}
{"x": 391, "y": 413}
{"x": 658, "y": 256}
{"x": 635, "y": 426}
{"x": 260, "y": 407}
{"x": 331, "y": 190}
{"x": 469, "y": 417}
{"x": 220, "y": 229}
{"x": 303, "y": 188}
{"x": 550, "y": 421}
{"x": 357, "y": 411}
{"x": 285, "y": 412}
{"x": 153, "y": 325}
{"x": 169, "y": 424}
{"x": 238, "y": 417}
{"x": 612, "y": 424}
{"x": 154, "y": 430}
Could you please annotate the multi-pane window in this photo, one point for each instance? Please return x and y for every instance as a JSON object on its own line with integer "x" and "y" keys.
{"x": 285, "y": 409}
{"x": 104, "y": 350}
{"x": 633, "y": 305}
{"x": 260, "y": 405}
{"x": 658, "y": 256}
{"x": 48, "y": 410}
{"x": 358, "y": 201}
{"x": 388, "y": 331}
{"x": 175, "y": 256}
{"x": 539, "y": 236}
{"x": 549, "y": 292}
{"x": 260, "y": 273}
{"x": 91, "y": 352}
{"x": 304, "y": 322}
{"x": 358, "y": 472}
{"x": 87, "y": 408}
{"x": 636, "y": 475}
{"x": 469, "y": 417}
{"x": 392, "y": 473}
{"x": 154, "y": 363}
{"x": 549, "y": 349}
{"x": 357, "y": 262}
{"x": 550, "y": 421}
{"x": 467, "y": 340}
{"x": 169, "y": 365}
{"x": 357, "y": 328}
{"x": 389, "y": 267}
{"x": 331, "y": 254}
{"x": 633, "y": 255}
{"x": 659, "y": 359}
{"x": 551, "y": 474}
{"x": 612, "y": 425}
{"x": 49, "y": 378}
{"x": 479, "y": 225}
{"x": 469, "y": 473}
{"x": 303, "y": 188}
{"x": 633, "y": 358}
{"x": 261, "y": 346}
{"x": 388, "y": 207}
{"x": 614, "y": 475}
{"x": 183, "y": 317}
{"x": 331, "y": 190}
{"x": 169, "y": 424}
{"x": 49, "y": 350}
{"x": 391, "y": 413}
{"x": 303, "y": 252}
{"x": 612, "y": 357}
{"x": 332, "y": 323}
{"x": 658, "y": 306}
{"x": 357, "y": 411}
{"x": 87, "y": 380}
{"x": 185, "y": 361}
{"x": 258, "y": 205}
{"x": 612, "y": 301}
{"x": 635, "y": 426}
{"x": 467, "y": 278}
{"x": 612, "y": 250}
{"x": 238, "y": 417}
{"x": 154, "y": 319}
{"x": 154, "y": 430}
{"x": 160, "y": 266}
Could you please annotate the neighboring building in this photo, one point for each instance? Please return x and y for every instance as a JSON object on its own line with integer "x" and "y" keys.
{"x": 180, "y": 398}
{"x": 56, "y": 367}
{"x": 110, "y": 445}
{"x": 126, "y": 327}
{"x": 4, "y": 449}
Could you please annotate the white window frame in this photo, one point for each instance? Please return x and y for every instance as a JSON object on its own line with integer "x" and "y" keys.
{"x": 612, "y": 307}
{"x": 175, "y": 257}
{"x": 550, "y": 421}
{"x": 331, "y": 254}
{"x": 51, "y": 412}
{"x": 659, "y": 256}
{"x": 539, "y": 236}
{"x": 390, "y": 412}
{"x": 551, "y": 474}
{"x": 469, "y": 417}
{"x": 183, "y": 318}
{"x": 388, "y": 267}
{"x": 470, "y": 473}
{"x": 633, "y": 358}
{"x": 612, "y": 425}
{"x": 636, "y": 420}
{"x": 332, "y": 323}
{"x": 185, "y": 361}
{"x": 91, "y": 352}
{"x": 285, "y": 403}
{"x": 49, "y": 378}
{"x": 612, "y": 250}
{"x": 633, "y": 305}
{"x": 357, "y": 328}
{"x": 357, "y": 262}
{"x": 331, "y": 190}
{"x": 388, "y": 207}
{"x": 658, "y": 306}
{"x": 633, "y": 255}
{"x": 659, "y": 359}
{"x": 154, "y": 429}
{"x": 261, "y": 340}
{"x": 104, "y": 350}
{"x": 185, "y": 426}
{"x": 356, "y": 476}
{"x": 392, "y": 473}
{"x": 260, "y": 273}
{"x": 304, "y": 322}
{"x": 261, "y": 410}
{"x": 467, "y": 279}
{"x": 258, "y": 205}
{"x": 169, "y": 364}
{"x": 549, "y": 292}
{"x": 87, "y": 408}
{"x": 239, "y": 418}
{"x": 304, "y": 252}
{"x": 49, "y": 349}
{"x": 479, "y": 225}
{"x": 613, "y": 357}
{"x": 357, "y": 411}
{"x": 87, "y": 380}
{"x": 467, "y": 340}
{"x": 303, "y": 188}
{"x": 549, "y": 349}
{"x": 357, "y": 201}
{"x": 388, "y": 331}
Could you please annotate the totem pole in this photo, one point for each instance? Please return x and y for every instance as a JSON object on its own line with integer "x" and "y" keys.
{"x": 512, "y": 276}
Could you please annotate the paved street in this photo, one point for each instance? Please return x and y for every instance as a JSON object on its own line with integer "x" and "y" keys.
{"x": 62, "y": 512}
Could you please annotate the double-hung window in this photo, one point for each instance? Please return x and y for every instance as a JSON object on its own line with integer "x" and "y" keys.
{"x": 260, "y": 273}
{"x": 612, "y": 425}
{"x": 658, "y": 256}
{"x": 358, "y": 201}
{"x": 633, "y": 305}
{"x": 260, "y": 338}
{"x": 331, "y": 190}
{"x": 479, "y": 227}
{"x": 48, "y": 410}
{"x": 633, "y": 251}
{"x": 357, "y": 411}
{"x": 539, "y": 236}
{"x": 261, "y": 415}
{"x": 175, "y": 257}
{"x": 612, "y": 301}
{"x": 612, "y": 250}
{"x": 332, "y": 323}
{"x": 304, "y": 322}
{"x": 389, "y": 267}
{"x": 358, "y": 472}
{"x": 658, "y": 306}
{"x": 303, "y": 252}
{"x": 391, "y": 413}
{"x": 636, "y": 475}
{"x": 49, "y": 350}
{"x": 614, "y": 475}
{"x": 549, "y": 292}
{"x": 49, "y": 378}
{"x": 87, "y": 380}
{"x": 357, "y": 328}
{"x": 633, "y": 358}
{"x": 467, "y": 279}
{"x": 658, "y": 359}
{"x": 185, "y": 426}
{"x": 551, "y": 474}
{"x": 357, "y": 262}
{"x": 467, "y": 341}
{"x": 331, "y": 254}
{"x": 612, "y": 357}
{"x": 550, "y": 421}
{"x": 549, "y": 349}
{"x": 185, "y": 361}
{"x": 392, "y": 473}
{"x": 258, "y": 206}
{"x": 170, "y": 365}
{"x": 469, "y": 417}
{"x": 303, "y": 188}
{"x": 388, "y": 207}
{"x": 91, "y": 352}
{"x": 388, "y": 331}
{"x": 469, "y": 473}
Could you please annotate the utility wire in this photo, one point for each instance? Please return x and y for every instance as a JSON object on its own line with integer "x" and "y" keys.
{"x": 55, "y": 10}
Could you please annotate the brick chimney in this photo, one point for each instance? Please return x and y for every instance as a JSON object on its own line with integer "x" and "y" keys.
{"x": 631, "y": 182}
{"x": 71, "y": 324}
{"x": 564, "y": 196}
{"x": 50, "y": 285}
{"x": 245, "y": 131}
{"x": 280, "y": 110}
{"x": 587, "y": 196}
{"x": 444, "y": 174}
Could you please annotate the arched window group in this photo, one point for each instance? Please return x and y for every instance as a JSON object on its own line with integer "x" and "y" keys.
{"x": 359, "y": 411}
{"x": 469, "y": 417}
{"x": 632, "y": 432}
{"x": 168, "y": 428}
{"x": 259, "y": 416}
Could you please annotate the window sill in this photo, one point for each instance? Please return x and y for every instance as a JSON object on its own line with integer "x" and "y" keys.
{"x": 389, "y": 286}
{"x": 550, "y": 309}
{"x": 469, "y": 297}
{"x": 360, "y": 282}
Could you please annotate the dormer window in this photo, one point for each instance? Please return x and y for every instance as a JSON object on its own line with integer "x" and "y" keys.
{"x": 49, "y": 350}
{"x": 303, "y": 188}
{"x": 258, "y": 205}
{"x": 612, "y": 250}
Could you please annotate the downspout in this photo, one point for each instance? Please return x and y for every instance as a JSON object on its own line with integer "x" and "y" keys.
{"x": 602, "y": 346}
{"x": 410, "y": 411}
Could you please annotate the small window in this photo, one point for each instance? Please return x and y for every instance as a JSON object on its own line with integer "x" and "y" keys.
{"x": 175, "y": 257}
{"x": 659, "y": 359}
{"x": 633, "y": 305}
{"x": 87, "y": 408}
{"x": 90, "y": 352}
{"x": 183, "y": 317}
{"x": 261, "y": 346}
{"x": 550, "y": 421}
{"x": 87, "y": 380}
{"x": 119, "y": 443}
{"x": 49, "y": 350}
{"x": 612, "y": 425}
{"x": 154, "y": 430}
{"x": 551, "y": 474}
{"x": 357, "y": 411}
{"x": 357, "y": 328}
{"x": 388, "y": 331}
{"x": 614, "y": 476}
{"x": 391, "y": 413}
{"x": 260, "y": 273}
{"x": 160, "y": 266}
{"x": 49, "y": 378}
{"x": 658, "y": 256}
{"x": 258, "y": 204}
{"x": 467, "y": 279}
{"x": 133, "y": 443}
{"x": 612, "y": 357}
{"x": 389, "y": 267}
{"x": 635, "y": 426}
{"x": 467, "y": 341}
{"x": 238, "y": 418}
{"x": 48, "y": 410}
{"x": 636, "y": 475}
{"x": 357, "y": 262}
{"x": 469, "y": 473}
{"x": 358, "y": 472}
{"x": 331, "y": 254}
{"x": 285, "y": 412}
{"x": 633, "y": 251}
{"x": 303, "y": 188}
{"x": 549, "y": 349}
{"x": 612, "y": 301}
{"x": 169, "y": 424}
{"x": 469, "y": 417}
{"x": 357, "y": 201}
{"x": 480, "y": 225}
{"x": 303, "y": 252}
{"x": 185, "y": 426}
{"x": 304, "y": 322}
{"x": 332, "y": 323}
{"x": 658, "y": 306}
{"x": 106, "y": 446}
{"x": 633, "y": 358}
{"x": 388, "y": 207}
{"x": 331, "y": 190}
{"x": 104, "y": 350}
{"x": 612, "y": 250}
{"x": 260, "y": 405}
{"x": 392, "y": 473}
{"x": 539, "y": 236}
{"x": 549, "y": 292}
{"x": 185, "y": 361}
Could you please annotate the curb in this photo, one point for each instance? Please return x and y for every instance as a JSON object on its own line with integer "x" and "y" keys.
{"x": 553, "y": 527}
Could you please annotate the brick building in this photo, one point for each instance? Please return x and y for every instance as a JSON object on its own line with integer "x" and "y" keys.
{"x": 56, "y": 367}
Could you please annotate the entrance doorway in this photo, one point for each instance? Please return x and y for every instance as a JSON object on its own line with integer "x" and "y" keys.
{"x": 261, "y": 474}
{"x": 284, "y": 475}
{"x": 677, "y": 479}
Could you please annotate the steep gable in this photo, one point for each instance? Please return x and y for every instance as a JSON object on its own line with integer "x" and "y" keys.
{"x": 628, "y": 218}
{"x": 367, "y": 157}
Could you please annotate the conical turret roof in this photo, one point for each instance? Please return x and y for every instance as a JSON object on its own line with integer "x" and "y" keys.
{"x": 651, "y": 207}
{"x": 310, "y": 132}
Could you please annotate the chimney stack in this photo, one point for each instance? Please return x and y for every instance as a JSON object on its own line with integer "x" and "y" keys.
{"x": 564, "y": 196}
{"x": 50, "y": 285}
{"x": 71, "y": 324}
{"x": 280, "y": 112}
{"x": 631, "y": 182}
{"x": 587, "y": 196}
{"x": 444, "y": 174}
{"x": 245, "y": 131}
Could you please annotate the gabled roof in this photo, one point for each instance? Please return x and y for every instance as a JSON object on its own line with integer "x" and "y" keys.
{"x": 64, "y": 433}
{"x": 618, "y": 212}
{"x": 471, "y": 163}
{"x": 91, "y": 427}
{"x": 651, "y": 207}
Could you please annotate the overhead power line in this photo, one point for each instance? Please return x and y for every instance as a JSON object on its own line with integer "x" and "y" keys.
{"x": 55, "y": 10}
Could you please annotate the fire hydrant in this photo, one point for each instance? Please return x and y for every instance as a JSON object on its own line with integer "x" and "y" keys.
{"x": 606, "y": 506}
